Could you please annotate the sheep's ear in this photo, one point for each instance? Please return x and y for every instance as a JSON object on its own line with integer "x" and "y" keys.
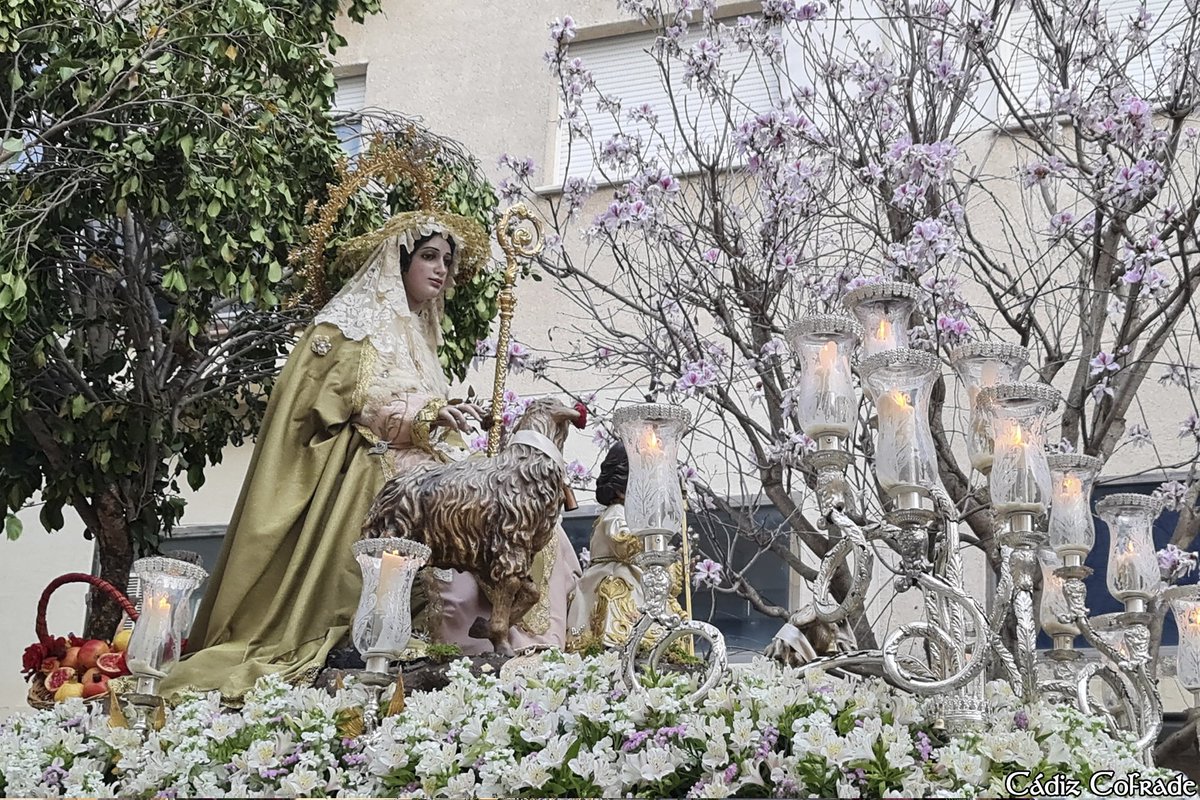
{"x": 571, "y": 414}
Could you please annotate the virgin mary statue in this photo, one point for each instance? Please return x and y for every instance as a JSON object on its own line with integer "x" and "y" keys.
{"x": 361, "y": 398}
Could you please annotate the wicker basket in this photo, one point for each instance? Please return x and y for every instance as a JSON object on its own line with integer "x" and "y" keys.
{"x": 39, "y": 696}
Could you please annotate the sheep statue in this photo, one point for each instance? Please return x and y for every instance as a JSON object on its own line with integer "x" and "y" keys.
{"x": 488, "y": 517}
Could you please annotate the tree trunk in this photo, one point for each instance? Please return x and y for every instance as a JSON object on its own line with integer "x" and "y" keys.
{"x": 114, "y": 549}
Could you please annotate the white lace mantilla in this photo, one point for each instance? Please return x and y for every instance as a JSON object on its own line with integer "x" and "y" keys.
{"x": 373, "y": 305}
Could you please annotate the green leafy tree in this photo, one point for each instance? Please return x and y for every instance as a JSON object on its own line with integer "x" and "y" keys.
{"x": 157, "y": 157}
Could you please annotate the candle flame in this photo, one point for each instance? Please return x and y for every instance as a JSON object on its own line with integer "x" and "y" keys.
{"x": 1071, "y": 486}
{"x": 900, "y": 399}
{"x": 651, "y": 443}
{"x": 1018, "y": 438}
{"x": 163, "y": 603}
{"x": 884, "y": 332}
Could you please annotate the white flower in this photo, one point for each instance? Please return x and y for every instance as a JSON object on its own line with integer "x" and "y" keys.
{"x": 716, "y": 754}
{"x": 261, "y": 754}
{"x": 530, "y": 772}
{"x": 847, "y": 789}
{"x": 899, "y": 754}
{"x": 714, "y": 787}
{"x": 744, "y": 735}
{"x": 300, "y": 783}
{"x": 648, "y": 766}
{"x": 461, "y": 785}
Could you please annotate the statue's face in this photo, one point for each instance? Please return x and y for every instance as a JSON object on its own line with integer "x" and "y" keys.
{"x": 428, "y": 272}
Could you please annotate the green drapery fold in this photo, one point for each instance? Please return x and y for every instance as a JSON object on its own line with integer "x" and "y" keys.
{"x": 286, "y": 586}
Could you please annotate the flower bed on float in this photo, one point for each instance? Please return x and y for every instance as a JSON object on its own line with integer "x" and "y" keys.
{"x": 564, "y": 728}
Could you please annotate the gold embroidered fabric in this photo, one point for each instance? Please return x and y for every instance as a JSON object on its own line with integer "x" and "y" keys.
{"x": 615, "y": 613}
{"x": 366, "y": 374}
{"x": 605, "y": 608}
{"x": 537, "y": 619}
{"x": 625, "y": 546}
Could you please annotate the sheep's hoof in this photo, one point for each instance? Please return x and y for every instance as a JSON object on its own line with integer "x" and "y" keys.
{"x": 503, "y": 649}
{"x": 479, "y": 629}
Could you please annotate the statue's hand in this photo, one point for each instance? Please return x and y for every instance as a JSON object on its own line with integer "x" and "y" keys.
{"x": 457, "y": 416}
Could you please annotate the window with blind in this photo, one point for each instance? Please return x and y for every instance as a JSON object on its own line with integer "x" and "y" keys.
{"x": 623, "y": 67}
{"x": 349, "y": 98}
{"x": 1143, "y": 69}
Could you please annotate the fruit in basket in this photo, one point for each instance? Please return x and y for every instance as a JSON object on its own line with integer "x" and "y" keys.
{"x": 90, "y": 651}
{"x": 49, "y": 665}
{"x": 120, "y": 642}
{"x": 68, "y": 689}
{"x": 57, "y": 678}
{"x": 94, "y": 682}
{"x": 112, "y": 664}
{"x": 71, "y": 659}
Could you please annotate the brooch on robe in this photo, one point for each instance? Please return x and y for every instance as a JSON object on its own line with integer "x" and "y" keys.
{"x": 321, "y": 345}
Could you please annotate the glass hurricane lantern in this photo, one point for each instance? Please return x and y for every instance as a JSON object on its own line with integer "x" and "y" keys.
{"x": 900, "y": 383}
{"x": 1133, "y": 572}
{"x": 1019, "y": 481}
{"x": 980, "y": 365}
{"x": 1072, "y": 529}
{"x": 883, "y": 309}
{"x": 166, "y": 586}
{"x": 826, "y": 405}
{"x": 383, "y": 621}
{"x": 651, "y": 433}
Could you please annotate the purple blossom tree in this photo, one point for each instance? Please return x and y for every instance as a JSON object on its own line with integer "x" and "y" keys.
{"x": 1030, "y": 166}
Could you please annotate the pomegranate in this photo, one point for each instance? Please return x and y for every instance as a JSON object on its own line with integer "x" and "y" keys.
{"x": 112, "y": 664}
{"x": 71, "y": 659}
{"x": 90, "y": 651}
{"x": 57, "y": 678}
{"x": 49, "y": 664}
{"x": 97, "y": 685}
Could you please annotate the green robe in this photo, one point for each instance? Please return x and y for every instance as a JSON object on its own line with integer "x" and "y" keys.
{"x": 286, "y": 585}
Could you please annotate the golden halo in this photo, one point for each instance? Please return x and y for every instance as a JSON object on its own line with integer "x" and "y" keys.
{"x": 386, "y": 163}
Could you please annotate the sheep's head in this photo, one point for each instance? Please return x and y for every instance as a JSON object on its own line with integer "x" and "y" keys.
{"x": 551, "y": 417}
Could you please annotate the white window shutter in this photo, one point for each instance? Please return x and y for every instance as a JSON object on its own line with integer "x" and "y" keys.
{"x": 622, "y": 67}
{"x": 1120, "y": 14}
{"x": 350, "y": 93}
{"x": 349, "y": 96}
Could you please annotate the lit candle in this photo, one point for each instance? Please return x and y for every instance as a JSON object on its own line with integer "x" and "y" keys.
{"x": 656, "y": 464}
{"x": 826, "y": 361}
{"x": 1071, "y": 507}
{"x": 897, "y": 418}
{"x": 885, "y": 336}
{"x": 391, "y": 569}
{"x": 152, "y": 642}
{"x": 157, "y": 614}
{"x": 1021, "y": 467}
{"x": 896, "y": 412}
{"x": 1124, "y": 567}
{"x": 830, "y": 418}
